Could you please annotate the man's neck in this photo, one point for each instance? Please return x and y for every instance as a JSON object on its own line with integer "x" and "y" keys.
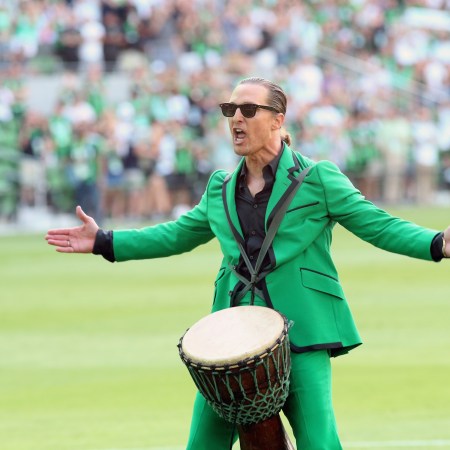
{"x": 255, "y": 177}
{"x": 255, "y": 163}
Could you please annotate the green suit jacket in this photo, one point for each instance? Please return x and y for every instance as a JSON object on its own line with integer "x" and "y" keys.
{"x": 304, "y": 285}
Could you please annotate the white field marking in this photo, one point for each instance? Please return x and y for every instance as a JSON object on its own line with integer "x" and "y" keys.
{"x": 146, "y": 448}
{"x": 399, "y": 444}
{"x": 363, "y": 444}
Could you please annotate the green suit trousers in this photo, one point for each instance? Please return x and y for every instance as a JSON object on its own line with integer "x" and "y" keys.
{"x": 308, "y": 408}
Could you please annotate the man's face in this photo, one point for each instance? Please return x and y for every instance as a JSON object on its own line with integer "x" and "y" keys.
{"x": 250, "y": 135}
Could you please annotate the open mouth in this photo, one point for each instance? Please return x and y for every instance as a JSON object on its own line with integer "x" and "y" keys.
{"x": 239, "y": 135}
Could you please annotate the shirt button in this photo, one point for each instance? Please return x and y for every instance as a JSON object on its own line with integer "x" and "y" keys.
{"x": 253, "y": 232}
{"x": 252, "y": 257}
{"x": 255, "y": 206}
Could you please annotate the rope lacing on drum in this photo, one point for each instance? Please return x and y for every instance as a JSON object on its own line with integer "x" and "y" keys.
{"x": 224, "y": 386}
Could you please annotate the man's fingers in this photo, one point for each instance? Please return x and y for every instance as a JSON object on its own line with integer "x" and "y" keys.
{"x": 57, "y": 236}
{"x": 63, "y": 242}
{"x": 58, "y": 232}
{"x": 64, "y": 249}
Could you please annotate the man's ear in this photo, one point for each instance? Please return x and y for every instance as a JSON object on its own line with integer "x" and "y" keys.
{"x": 278, "y": 121}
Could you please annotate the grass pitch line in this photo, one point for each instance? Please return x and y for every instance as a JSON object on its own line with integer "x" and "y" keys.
{"x": 364, "y": 444}
{"x": 146, "y": 448}
{"x": 399, "y": 444}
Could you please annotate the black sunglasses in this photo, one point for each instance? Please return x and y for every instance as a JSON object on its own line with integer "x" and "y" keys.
{"x": 248, "y": 110}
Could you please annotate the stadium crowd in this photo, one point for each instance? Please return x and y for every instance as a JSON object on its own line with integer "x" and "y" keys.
{"x": 368, "y": 84}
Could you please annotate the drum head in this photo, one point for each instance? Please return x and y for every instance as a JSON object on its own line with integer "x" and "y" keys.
{"x": 231, "y": 335}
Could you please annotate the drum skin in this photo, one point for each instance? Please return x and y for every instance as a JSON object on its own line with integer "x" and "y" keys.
{"x": 246, "y": 380}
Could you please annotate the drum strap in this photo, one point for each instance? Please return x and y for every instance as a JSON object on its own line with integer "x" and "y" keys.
{"x": 255, "y": 275}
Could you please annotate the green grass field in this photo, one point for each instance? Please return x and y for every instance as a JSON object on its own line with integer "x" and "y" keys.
{"x": 88, "y": 356}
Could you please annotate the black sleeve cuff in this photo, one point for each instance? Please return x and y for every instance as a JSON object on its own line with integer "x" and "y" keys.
{"x": 103, "y": 245}
{"x": 436, "y": 247}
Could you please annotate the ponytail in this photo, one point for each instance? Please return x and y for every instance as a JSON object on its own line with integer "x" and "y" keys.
{"x": 286, "y": 137}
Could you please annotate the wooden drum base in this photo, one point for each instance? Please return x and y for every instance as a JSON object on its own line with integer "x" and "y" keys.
{"x": 265, "y": 435}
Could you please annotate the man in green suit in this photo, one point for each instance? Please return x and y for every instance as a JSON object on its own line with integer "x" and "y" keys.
{"x": 294, "y": 274}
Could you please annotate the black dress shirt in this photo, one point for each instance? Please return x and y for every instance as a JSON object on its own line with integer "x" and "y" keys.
{"x": 251, "y": 212}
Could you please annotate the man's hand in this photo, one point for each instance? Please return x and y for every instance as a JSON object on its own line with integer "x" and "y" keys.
{"x": 77, "y": 239}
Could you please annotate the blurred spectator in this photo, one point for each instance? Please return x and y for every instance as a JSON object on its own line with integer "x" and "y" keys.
{"x": 87, "y": 10}
{"x": 10, "y": 156}
{"x": 364, "y": 163}
{"x": 394, "y": 137}
{"x": 155, "y": 153}
{"x": 34, "y": 143}
{"x": 113, "y": 169}
{"x": 92, "y": 33}
{"x": 79, "y": 111}
{"x": 306, "y": 82}
{"x": 24, "y": 43}
{"x": 446, "y": 171}
{"x": 60, "y": 192}
{"x": 94, "y": 90}
{"x": 443, "y": 123}
{"x": 6, "y": 21}
{"x": 114, "y": 41}
{"x": 435, "y": 76}
{"x": 180, "y": 181}
{"x": 425, "y": 154}
{"x": 68, "y": 41}
{"x": 84, "y": 168}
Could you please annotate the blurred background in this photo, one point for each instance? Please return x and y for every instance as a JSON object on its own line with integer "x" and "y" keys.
{"x": 112, "y": 104}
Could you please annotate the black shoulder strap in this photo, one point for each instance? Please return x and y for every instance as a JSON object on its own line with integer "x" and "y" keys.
{"x": 255, "y": 274}
{"x": 276, "y": 221}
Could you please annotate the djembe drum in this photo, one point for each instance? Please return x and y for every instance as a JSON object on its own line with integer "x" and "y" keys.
{"x": 239, "y": 359}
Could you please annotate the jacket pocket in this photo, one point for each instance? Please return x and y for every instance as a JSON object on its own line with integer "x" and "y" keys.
{"x": 218, "y": 278}
{"x": 302, "y": 206}
{"x": 219, "y": 275}
{"x": 322, "y": 283}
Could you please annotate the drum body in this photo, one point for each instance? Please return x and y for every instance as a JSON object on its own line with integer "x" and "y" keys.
{"x": 239, "y": 359}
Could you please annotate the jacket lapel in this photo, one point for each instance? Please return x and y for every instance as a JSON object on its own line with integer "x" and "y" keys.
{"x": 284, "y": 181}
{"x": 230, "y": 201}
